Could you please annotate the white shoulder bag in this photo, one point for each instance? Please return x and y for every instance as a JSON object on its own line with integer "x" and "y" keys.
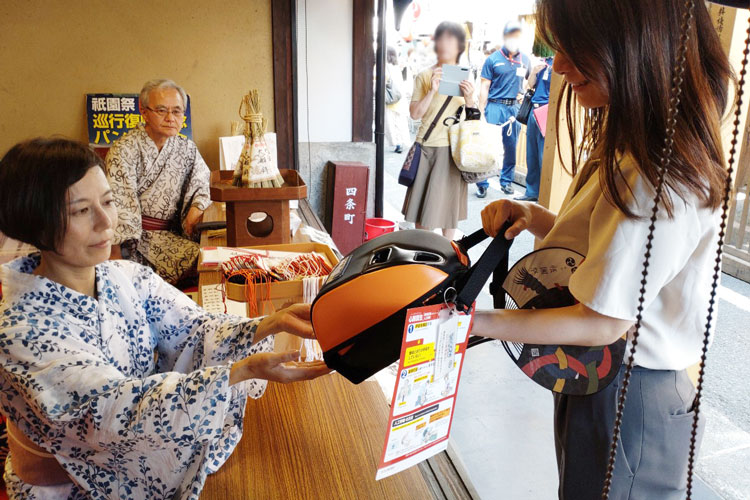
{"x": 476, "y": 146}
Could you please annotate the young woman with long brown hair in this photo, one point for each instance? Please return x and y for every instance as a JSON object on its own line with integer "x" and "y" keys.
{"x": 617, "y": 59}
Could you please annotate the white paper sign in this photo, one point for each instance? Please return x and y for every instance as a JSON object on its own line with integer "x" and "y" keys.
{"x": 214, "y": 301}
{"x": 230, "y": 149}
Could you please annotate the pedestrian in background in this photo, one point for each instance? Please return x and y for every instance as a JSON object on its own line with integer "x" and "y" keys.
{"x": 540, "y": 81}
{"x": 396, "y": 112}
{"x": 438, "y": 196}
{"x": 503, "y": 76}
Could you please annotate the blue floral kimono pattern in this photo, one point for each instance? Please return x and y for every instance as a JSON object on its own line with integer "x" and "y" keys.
{"x": 130, "y": 391}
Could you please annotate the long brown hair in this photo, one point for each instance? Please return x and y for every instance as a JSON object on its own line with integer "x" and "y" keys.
{"x": 631, "y": 46}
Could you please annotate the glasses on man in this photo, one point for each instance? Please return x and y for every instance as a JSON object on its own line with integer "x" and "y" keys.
{"x": 163, "y": 112}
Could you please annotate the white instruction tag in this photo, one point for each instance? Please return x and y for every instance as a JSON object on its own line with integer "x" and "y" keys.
{"x": 445, "y": 344}
{"x": 424, "y": 394}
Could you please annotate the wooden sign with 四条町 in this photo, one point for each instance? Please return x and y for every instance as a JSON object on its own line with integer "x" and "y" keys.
{"x": 346, "y": 203}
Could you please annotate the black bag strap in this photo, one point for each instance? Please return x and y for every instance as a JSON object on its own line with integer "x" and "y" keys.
{"x": 437, "y": 117}
{"x": 473, "y": 282}
{"x": 453, "y": 119}
{"x": 471, "y": 240}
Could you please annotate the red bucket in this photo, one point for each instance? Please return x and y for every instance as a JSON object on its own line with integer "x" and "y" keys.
{"x": 376, "y": 227}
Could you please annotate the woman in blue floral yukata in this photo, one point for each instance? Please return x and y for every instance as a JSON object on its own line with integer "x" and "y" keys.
{"x": 114, "y": 384}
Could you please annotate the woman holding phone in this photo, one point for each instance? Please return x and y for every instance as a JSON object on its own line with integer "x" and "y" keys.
{"x": 438, "y": 196}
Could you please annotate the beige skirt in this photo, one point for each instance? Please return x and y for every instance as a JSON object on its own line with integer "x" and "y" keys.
{"x": 438, "y": 196}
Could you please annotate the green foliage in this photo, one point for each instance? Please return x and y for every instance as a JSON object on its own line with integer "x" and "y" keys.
{"x": 541, "y": 49}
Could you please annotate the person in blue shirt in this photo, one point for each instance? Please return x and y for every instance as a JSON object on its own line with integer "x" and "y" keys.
{"x": 503, "y": 75}
{"x": 540, "y": 78}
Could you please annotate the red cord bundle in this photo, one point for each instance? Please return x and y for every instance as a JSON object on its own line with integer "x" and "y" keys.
{"x": 304, "y": 266}
{"x": 252, "y": 270}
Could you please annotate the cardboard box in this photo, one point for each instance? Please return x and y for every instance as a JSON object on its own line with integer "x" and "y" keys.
{"x": 282, "y": 293}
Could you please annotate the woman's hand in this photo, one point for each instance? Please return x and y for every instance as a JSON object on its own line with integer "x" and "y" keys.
{"x": 417, "y": 109}
{"x": 276, "y": 367}
{"x": 523, "y": 215}
{"x": 497, "y": 213}
{"x": 294, "y": 319}
{"x": 437, "y": 75}
{"x": 467, "y": 89}
{"x": 571, "y": 325}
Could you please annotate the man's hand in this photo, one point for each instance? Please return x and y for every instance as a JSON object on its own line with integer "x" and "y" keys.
{"x": 484, "y": 92}
{"x": 193, "y": 218}
{"x": 532, "y": 81}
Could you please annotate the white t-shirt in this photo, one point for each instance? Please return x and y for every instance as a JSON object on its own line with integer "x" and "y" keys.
{"x": 609, "y": 279}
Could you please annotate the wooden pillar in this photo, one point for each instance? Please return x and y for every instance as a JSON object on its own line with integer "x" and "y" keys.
{"x": 362, "y": 71}
{"x": 284, "y": 81}
{"x": 521, "y": 166}
{"x": 555, "y": 179}
{"x": 731, "y": 26}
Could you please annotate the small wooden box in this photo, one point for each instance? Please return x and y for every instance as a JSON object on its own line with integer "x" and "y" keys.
{"x": 243, "y": 202}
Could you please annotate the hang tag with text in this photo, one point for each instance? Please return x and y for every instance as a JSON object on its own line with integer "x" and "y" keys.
{"x": 445, "y": 343}
{"x": 434, "y": 346}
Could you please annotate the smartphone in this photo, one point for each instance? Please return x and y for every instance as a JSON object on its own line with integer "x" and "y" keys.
{"x": 452, "y": 76}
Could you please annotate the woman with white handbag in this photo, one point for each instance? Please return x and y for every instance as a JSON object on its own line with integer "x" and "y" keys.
{"x": 437, "y": 195}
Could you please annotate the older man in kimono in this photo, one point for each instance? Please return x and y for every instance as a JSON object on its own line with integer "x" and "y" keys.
{"x": 160, "y": 184}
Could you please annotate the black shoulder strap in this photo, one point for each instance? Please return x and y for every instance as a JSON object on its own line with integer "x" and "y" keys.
{"x": 437, "y": 117}
{"x": 480, "y": 272}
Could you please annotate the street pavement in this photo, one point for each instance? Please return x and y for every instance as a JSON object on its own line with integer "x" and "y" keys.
{"x": 502, "y": 430}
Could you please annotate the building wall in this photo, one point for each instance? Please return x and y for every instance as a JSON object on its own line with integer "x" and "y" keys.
{"x": 315, "y": 157}
{"x": 53, "y": 53}
{"x": 324, "y": 70}
{"x": 324, "y": 81}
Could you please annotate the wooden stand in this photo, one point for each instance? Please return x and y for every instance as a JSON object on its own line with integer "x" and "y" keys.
{"x": 242, "y": 203}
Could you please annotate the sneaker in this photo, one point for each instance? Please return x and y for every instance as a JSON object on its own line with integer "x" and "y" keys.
{"x": 526, "y": 198}
{"x": 481, "y": 191}
{"x": 507, "y": 189}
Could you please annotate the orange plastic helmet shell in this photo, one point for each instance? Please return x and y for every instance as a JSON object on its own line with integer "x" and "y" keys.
{"x": 356, "y": 305}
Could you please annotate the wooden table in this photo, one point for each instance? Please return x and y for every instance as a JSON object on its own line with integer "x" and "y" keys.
{"x": 317, "y": 439}
{"x": 320, "y": 439}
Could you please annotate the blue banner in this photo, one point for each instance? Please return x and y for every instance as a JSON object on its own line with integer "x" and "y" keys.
{"x": 111, "y": 116}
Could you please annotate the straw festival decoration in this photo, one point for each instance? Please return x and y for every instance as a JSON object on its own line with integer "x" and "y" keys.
{"x": 256, "y": 167}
